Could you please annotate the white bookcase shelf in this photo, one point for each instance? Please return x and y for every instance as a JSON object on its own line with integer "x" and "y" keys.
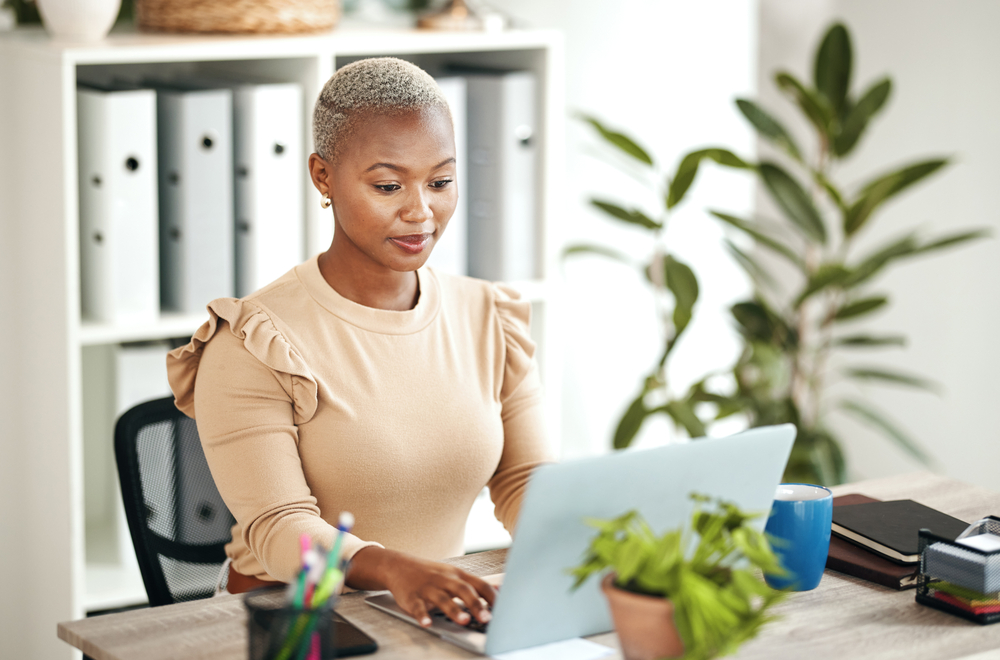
{"x": 56, "y": 552}
{"x": 167, "y": 326}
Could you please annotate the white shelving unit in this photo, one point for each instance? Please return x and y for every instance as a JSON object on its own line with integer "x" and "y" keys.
{"x": 47, "y": 354}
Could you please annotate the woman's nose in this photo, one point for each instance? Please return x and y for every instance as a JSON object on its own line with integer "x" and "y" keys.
{"x": 417, "y": 208}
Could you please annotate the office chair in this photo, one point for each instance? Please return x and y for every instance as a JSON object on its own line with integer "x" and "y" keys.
{"x": 177, "y": 519}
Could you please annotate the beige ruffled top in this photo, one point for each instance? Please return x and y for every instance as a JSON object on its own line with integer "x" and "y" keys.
{"x": 309, "y": 404}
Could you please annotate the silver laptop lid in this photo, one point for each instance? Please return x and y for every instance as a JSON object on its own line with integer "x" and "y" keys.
{"x": 535, "y": 605}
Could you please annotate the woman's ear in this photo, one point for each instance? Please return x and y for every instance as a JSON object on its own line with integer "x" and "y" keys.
{"x": 319, "y": 172}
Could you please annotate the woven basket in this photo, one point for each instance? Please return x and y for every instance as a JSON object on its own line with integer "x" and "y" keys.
{"x": 253, "y": 16}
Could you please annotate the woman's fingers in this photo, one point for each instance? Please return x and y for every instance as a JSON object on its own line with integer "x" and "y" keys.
{"x": 484, "y": 588}
{"x": 418, "y": 610}
{"x": 452, "y": 609}
{"x": 465, "y": 590}
{"x": 420, "y": 585}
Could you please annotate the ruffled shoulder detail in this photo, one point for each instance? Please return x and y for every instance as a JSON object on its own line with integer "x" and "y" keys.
{"x": 262, "y": 339}
{"x": 515, "y": 320}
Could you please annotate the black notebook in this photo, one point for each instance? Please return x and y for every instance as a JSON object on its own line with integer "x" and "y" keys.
{"x": 892, "y": 528}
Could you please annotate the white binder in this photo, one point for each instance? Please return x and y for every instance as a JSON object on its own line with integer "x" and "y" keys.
{"x": 502, "y": 126}
{"x": 119, "y": 275}
{"x": 450, "y": 254}
{"x": 269, "y": 182}
{"x": 195, "y": 140}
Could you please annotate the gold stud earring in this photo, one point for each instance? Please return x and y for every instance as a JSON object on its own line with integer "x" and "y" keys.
{"x": 326, "y": 201}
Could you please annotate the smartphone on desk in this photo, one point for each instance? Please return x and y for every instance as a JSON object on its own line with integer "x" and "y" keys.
{"x": 349, "y": 640}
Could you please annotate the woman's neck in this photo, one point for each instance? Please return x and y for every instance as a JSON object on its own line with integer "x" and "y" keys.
{"x": 369, "y": 284}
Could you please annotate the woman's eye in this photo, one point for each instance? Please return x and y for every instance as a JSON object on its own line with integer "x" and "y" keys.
{"x": 387, "y": 187}
{"x": 440, "y": 184}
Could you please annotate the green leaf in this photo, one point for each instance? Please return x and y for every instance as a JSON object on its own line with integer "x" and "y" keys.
{"x": 760, "y": 275}
{"x": 872, "y": 264}
{"x": 826, "y": 275}
{"x": 610, "y": 253}
{"x": 755, "y": 319}
{"x": 905, "y": 247}
{"x": 684, "y": 416}
{"x": 632, "y": 216}
{"x": 688, "y": 169}
{"x": 894, "y": 377}
{"x": 830, "y": 189}
{"x": 767, "y": 241}
{"x": 816, "y": 108}
{"x": 832, "y": 69}
{"x": 875, "y": 418}
{"x": 683, "y": 284}
{"x": 769, "y": 127}
{"x": 884, "y": 188}
{"x": 857, "y": 118}
{"x": 861, "y": 307}
{"x": 619, "y": 140}
{"x": 866, "y": 341}
{"x": 953, "y": 239}
{"x": 631, "y": 422}
{"x": 794, "y": 201}
{"x": 821, "y": 454}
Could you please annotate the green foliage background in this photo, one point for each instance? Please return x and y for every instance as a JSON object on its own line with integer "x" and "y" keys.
{"x": 791, "y": 333}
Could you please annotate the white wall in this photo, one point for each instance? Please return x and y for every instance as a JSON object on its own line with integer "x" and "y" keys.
{"x": 665, "y": 72}
{"x": 943, "y": 59}
{"x": 9, "y": 488}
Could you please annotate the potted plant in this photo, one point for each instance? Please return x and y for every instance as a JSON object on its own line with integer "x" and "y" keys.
{"x": 693, "y": 591}
{"x": 805, "y": 317}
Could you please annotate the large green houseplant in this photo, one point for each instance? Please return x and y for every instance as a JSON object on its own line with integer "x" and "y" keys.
{"x": 707, "y": 571}
{"x": 796, "y": 329}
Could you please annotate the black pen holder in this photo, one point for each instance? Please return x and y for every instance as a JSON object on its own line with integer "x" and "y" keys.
{"x": 279, "y": 631}
{"x": 959, "y": 579}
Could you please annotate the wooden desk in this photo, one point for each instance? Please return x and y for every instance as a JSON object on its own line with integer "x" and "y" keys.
{"x": 843, "y": 618}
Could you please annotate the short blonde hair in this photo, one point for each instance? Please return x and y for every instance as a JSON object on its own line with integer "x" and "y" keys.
{"x": 383, "y": 85}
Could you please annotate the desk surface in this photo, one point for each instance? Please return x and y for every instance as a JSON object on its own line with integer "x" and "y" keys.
{"x": 844, "y": 617}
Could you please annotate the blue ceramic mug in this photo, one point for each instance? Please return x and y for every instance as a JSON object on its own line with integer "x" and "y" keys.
{"x": 800, "y": 526}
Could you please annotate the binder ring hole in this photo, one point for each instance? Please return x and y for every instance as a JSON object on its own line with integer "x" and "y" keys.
{"x": 131, "y": 164}
{"x": 98, "y": 237}
{"x": 207, "y": 142}
{"x": 96, "y": 180}
{"x": 279, "y": 148}
{"x": 175, "y": 234}
{"x": 523, "y": 133}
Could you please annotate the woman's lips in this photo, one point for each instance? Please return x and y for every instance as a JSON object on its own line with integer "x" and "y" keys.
{"x": 412, "y": 243}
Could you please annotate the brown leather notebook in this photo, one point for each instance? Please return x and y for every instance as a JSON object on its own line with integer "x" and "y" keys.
{"x": 851, "y": 559}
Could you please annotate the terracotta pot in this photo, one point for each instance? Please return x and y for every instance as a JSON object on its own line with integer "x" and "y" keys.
{"x": 645, "y": 624}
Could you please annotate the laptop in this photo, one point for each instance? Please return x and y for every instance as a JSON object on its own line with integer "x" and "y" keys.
{"x": 535, "y": 605}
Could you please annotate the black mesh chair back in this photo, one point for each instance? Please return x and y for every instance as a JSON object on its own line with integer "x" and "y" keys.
{"x": 177, "y": 519}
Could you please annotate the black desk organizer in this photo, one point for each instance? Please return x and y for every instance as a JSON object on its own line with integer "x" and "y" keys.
{"x": 925, "y": 582}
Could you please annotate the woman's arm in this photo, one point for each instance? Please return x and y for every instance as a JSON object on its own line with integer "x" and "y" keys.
{"x": 524, "y": 449}
{"x": 245, "y": 415}
{"x": 522, "y": 414}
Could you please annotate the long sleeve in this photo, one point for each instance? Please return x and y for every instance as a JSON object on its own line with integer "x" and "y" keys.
{"x": 524, "y": 445}
{"x": 246, "y": 410}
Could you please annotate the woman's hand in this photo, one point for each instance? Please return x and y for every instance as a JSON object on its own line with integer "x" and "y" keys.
{"x": 419, "y": 585}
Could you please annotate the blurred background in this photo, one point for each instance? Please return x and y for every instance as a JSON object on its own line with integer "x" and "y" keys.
{"x": 667, "y": 73}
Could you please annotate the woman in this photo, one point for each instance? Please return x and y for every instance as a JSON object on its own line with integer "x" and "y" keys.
{"x": 361, "y": 381}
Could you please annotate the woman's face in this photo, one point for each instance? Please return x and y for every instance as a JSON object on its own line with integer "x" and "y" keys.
{"x": 393, "y": 188}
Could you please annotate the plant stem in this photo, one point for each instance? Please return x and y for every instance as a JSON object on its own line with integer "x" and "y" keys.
{"x": 810, "y": 358}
